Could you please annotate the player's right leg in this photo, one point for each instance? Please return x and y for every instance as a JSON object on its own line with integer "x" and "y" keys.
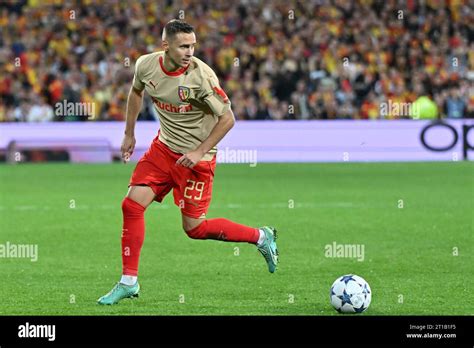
{"x": 133, "y": 234}
{"x": 150, "y": 181}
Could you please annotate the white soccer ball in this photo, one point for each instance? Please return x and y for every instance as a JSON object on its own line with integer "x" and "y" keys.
{"x": 350, "y": 294}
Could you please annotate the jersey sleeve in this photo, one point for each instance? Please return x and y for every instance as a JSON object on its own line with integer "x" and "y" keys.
{"x": 137, "y": 82}
{"x": 213, "y": 95}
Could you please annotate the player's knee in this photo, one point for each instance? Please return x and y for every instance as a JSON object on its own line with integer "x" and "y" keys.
{"x": 131, "y": 208}
{"x": 143, "y": 195}
{"x": 195, "y": 232}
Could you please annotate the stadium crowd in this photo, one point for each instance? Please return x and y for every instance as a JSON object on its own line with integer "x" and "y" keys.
{"x": 312, "y": 59}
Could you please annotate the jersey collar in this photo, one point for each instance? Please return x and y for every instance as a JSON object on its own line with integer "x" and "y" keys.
{"x": 172, "y": 73}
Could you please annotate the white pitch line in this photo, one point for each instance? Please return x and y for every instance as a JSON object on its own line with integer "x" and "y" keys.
{"x": 282, "y": 205}
{"x": 26, "y": 207}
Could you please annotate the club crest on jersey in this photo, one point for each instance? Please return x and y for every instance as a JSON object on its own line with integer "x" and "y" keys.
{"x": 183, "y": 93}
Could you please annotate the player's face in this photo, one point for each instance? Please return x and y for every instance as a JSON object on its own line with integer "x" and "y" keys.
{"x": 181, "y": 48}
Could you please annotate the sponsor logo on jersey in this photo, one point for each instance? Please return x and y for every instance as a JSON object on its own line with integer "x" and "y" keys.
{"x": 183, "y": 93}
{"x": 171, "y": 107}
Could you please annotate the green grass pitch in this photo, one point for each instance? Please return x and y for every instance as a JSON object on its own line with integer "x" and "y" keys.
{"x": 415, "y": 221}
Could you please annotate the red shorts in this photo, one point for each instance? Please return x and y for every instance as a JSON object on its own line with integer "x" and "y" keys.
{"x": 192, "y": 187}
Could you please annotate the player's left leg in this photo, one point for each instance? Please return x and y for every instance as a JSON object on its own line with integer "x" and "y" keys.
{"x": 219, "y": 229}
{"x": 225, "y": 230}
{"x": 193, "y": 195}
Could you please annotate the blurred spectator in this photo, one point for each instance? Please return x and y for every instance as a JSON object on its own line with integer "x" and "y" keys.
{"x": 470, "y": 109}
{"x": 21, "y": 112}
{"x": 299, "y": 99}
{"x": 425, "y": 108}
{"x": 41, "y": 111}
{"x": 455, "y": 105}
{"x": 313, "y": 59}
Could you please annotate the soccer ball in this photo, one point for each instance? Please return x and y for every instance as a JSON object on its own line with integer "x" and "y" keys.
{"x": 350, "y": 294}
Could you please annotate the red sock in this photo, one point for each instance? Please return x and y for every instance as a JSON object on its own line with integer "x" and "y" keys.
{"x": 133, "y": 234}
{"x": 223, "y": 229}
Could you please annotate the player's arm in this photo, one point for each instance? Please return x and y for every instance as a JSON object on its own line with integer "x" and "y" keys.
{"x": 134, "y": 105}
{"x": 219, "y": 104}
{"x": 222, "y": 127}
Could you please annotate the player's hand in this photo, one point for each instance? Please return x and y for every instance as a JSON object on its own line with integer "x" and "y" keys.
{"x": 128, "y": 145}
{"x": 190, "y": 159}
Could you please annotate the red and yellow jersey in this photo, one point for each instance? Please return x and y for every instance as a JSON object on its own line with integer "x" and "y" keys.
{"x": 188, "y": 100}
